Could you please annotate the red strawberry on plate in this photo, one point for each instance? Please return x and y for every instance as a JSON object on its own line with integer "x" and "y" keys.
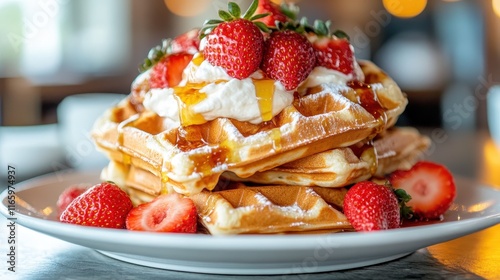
{"x": 68, "y": 195}
{"x": 103, "y": 205}
{"x": 235, "y": 43}
{"x": 274, "y": 13}
{"x": 168, "y": 71}
{"x": 369, "y": 206}
{"x": 288, "y": 57}
{"x": 431, "y": 187}
{"x": 166, "y": 213}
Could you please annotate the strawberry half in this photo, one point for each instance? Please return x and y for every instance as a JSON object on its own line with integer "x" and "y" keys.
{"x": 369, "y": 206}
{"x": 235, "y": 43}
{"x": 274, "y": 13}
{"x": 103, "y": 205}
{"x": 188, "y": 42}
{"x": 68, "y": 195}
{"x": 335, "y": 53}
{"x": 288, "y": 57}
{"x": 168, "y": 71}
{"x": 166, "y": 213}
{"x": 431, "y": 187}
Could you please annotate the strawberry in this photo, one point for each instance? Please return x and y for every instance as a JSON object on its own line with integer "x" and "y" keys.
{"x": 166, "y": 213}
{"x": 168, "y": 71}
{"x": 188, "y": 42}
{"x": 332, "y": 50}
{"x": 103, "y": 205}
{"x": 431, "y": 187}
{"x": 68, "y": 195}
{"x": 274, "y": 13}
{"x": 235, "y": 43}
{"x": 288, "y": 58}
{"x": 334, "y": 53}
{"x": 369, "y": 206}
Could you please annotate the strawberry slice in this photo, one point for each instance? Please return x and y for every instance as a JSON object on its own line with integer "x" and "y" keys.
{"x": 430, "y": 186}
{"x": 168, "y": 71}
{"x": 166, "y": 213}
{"x": 274, "y": 11}
{"x": 188, "y": 42}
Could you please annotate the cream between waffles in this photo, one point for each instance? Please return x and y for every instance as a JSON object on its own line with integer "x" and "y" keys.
{"x": 209, "y": 127}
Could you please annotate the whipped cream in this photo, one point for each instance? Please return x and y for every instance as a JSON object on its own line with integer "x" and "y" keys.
{"x": 322, "y": 75}
{"x": 234, "y": 99}
{"x": 226, "y": 96}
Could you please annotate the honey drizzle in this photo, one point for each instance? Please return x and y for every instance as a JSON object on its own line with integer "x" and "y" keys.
{"x": 189, "y": 96}
{"x": 264, "y": 91}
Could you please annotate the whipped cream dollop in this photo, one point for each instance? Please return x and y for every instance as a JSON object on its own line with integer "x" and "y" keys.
{"x": 228, "y": 97}
{"x": 225, "y": 96}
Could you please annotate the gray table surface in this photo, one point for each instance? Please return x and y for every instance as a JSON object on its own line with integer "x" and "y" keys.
{"x": 475, "y": 256}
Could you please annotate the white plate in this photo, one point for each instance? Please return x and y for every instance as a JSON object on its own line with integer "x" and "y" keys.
{"x": 476, "y": 207}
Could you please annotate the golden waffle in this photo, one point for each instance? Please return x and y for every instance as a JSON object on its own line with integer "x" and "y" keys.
{"x": 397, "y": 148}
{"x": 271, "y": 209}
{"x": 190, "y": 159}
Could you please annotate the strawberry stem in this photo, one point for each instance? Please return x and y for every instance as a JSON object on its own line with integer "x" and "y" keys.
{"x": 251, "y": 10}
{"x": 403, "y": 197}
{"x": 234, "y": 9}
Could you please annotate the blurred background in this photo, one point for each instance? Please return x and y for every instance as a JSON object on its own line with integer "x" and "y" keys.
{"x": 443, "y": 54}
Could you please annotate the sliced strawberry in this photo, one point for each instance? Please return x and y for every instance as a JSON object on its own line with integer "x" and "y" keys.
{"x": 334, "y": 53}
{"x": 274, "y": 11}
{"x": 103, "y": 205}
{"x": 369, "y": 206}
{"x": 168, "y": 71}
{"x": 166, "y": 213}
{"x": 68, "y": 195}
{"x": 431, "y": 187}
{"x": 288, "y": 58}
{"x": 188, "y": 42}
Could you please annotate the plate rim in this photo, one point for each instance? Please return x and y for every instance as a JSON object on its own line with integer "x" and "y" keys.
{"x": 435, "y": 233}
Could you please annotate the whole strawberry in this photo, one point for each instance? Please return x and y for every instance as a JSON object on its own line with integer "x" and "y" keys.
{"x": 288, "y": 57}
{"x": 369, "y": 206}
{"x": 103, "y": 205}
{"x": 236, "y": 42}
{"x": 333, "y": 51}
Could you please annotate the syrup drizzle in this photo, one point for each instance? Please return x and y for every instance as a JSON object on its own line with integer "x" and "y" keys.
{"x": 368, "y": 99}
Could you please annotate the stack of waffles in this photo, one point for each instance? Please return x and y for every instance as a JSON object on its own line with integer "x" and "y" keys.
{"x": 284, "y": 175}
{"x": 264, "y": 133}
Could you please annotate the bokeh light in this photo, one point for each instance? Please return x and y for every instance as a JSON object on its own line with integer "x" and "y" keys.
{"x": 187, "y": 8}
{"x": 496, "y": 7}
{"x": 405, "y": 8}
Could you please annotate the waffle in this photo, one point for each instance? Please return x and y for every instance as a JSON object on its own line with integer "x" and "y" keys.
{"x": 190, "y": 159}
{"x": 271, "y": 209}
{"x": 397, "y": 148}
